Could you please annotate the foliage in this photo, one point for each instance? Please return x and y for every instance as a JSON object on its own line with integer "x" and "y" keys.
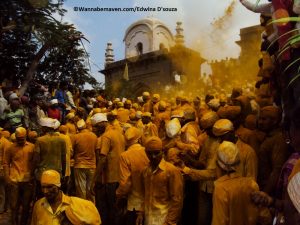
{"x": 26, "y": 26}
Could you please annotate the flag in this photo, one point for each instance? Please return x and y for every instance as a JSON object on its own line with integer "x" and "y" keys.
{"x": 125, "y": 74}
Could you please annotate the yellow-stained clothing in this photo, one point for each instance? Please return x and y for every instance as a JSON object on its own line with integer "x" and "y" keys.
{"x": 132, "y": 163}
{"x": 117, "y": 125}
{"x": 248, "y": 160}
{"x": 189, "y": 138}
{"x": 88, "y": 123}
{"x": 208, "y": 157}
{"x": 4, "y": 145}
{"x": 139, "y": 124}
{"x": 84, "y": 146}
{"x": 112, "y": 145}
{"x": 148, "y": 107}
{"x": 123, "y": 115}
{"x": 72, "y": 128}
{"x": 272, "y": 154}
{"x": 163, "y": 193}
{"x": 132, "y": 113}
{"x": 51, "y": 150}
{"x": 18, "y": 161}
{"x": 43, "y": 214}
{"x": 202, "y": 138}
{"x": 232, "y": 203}
{"x": 254, "y": 138}
{"x": 149, "y": 130}
{"x": 155, "y": 108}
{"x": 160, "y": 120}
{"x": 187, "y": 107}
{"x": 69, "y": 153}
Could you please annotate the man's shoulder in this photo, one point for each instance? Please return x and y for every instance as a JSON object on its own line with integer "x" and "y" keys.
{"x": 53, "y": 137}
{"x": 86, "y": 133}
{"x": 169, "y": 167}
{"x": 29, "y": 145}
{"x": 40, "y": 203}
{"x": 112, "y": 133}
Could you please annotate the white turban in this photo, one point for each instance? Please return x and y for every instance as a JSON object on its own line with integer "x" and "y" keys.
{"x": 228, "y": 155}
{"x": 214, "y": 104}
{"x": 49, "y": 122}
{"x": 53, "y": 101}
{"x": 173, "y": 128}
{"x": 222, "y": 126}
{"x": 98, "y": 118}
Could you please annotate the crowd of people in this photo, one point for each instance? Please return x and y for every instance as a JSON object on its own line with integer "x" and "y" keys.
{"x": 68, "y": 157}
{"x": 216, "y": 159}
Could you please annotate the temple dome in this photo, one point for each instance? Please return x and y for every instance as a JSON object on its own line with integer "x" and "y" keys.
{"x": 147, "y": 35}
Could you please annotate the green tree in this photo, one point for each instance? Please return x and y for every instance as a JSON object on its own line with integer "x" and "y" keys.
{"x": 34, "y": 45}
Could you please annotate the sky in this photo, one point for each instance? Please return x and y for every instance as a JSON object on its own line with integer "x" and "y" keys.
{"x": 210, "y": 26}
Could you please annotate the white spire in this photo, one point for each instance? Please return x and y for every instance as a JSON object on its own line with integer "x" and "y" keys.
{"x": 179, "y": 37}
{"x": 109, "y": 54}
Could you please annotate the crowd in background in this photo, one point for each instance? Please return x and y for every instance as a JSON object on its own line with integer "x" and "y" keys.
{"x": 215, "y": 159}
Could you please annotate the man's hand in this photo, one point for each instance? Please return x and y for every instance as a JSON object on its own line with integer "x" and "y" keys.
{"x": 261, "y": 198}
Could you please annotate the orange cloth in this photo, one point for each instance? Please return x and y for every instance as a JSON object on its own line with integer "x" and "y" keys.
{"x": 163, "y": 192}
{"x": 4, "y": 145}
{"x": 18, "y": 160}
{"x": 123, "y": 115}
{"x": 149, "y": 130}
{"x": 153, "y": 144}
{"x": 132, "y": 163}
{"x": 231, "y": 201}
{"x": 208, "y": 157}
{"x": 112, "y": 145}
{"x": 189, "y": 138}
{"x": 72, "y": 128}
{"x": 148, "y": 107}
{"x": 117, "y": 125}
{"x": 229, "y": 112}
{"x": 248, "y": 160}
{"x": 202, "y": 138}
{"x": 254, "y": 138}
{"x": 51, "y": 151}
{"x": 83, "y": 210}
{"x": 43, "y": 214}
{"x": 155, "y": 108}
{"x": 160, "y": 121}
{"x": 69, "y": 152}
{"x": 84, "y": 147}
{"x": 272, "y": 154}
{"x": 272, "y": 112}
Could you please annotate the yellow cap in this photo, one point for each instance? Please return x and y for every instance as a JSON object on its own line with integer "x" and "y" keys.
{"x": 51, "y": 177}
{"x": 132, "y": 135}
{"x": 70, "y": 116}
{"x": 155, "y": 98}
{"x": 153, "y": 143}
{"x": 20, "y": 132}
{"x": 208, "y": 119}
{"x": 81, "y": 124}
{"x": 222, "y": 127}
{"x": 146, "y": 114}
